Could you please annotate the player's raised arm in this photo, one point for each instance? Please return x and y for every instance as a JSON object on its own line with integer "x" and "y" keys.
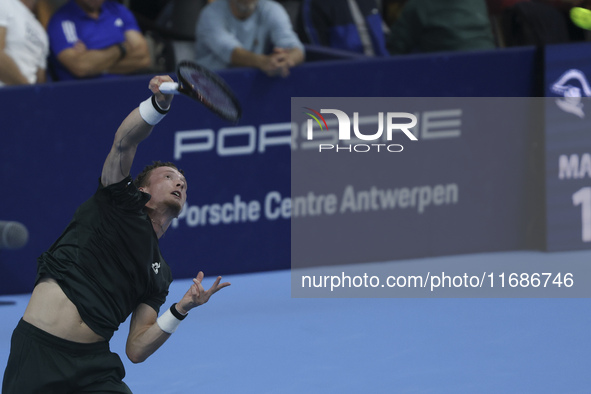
{"x": 136, "y": 127}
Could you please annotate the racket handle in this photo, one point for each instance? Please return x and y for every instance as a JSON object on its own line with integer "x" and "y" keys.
{"x": 169, "y": 88}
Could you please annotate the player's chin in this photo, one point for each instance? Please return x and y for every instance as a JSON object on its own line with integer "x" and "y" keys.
{"x": 175, "y": 206}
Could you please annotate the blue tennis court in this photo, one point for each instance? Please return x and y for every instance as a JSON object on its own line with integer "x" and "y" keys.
{"x": 254, "y": 338}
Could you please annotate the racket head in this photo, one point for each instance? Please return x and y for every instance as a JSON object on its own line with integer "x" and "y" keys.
{"x": 209, "y": 89}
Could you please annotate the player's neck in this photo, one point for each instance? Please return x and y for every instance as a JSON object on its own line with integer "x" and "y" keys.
{"x": 160, "y": 222}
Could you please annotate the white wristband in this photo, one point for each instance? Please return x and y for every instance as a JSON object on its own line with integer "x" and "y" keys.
{"x": 149, "y": 113}
{"x": 167, "y": 322}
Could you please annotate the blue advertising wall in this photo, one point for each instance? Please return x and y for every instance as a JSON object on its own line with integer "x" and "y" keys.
{"x": 54, "y": 138}
{"x": 465, "y": 185}
{"x": 568, "y": 146}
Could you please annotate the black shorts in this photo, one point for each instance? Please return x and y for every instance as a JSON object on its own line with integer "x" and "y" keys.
{"x": 42, "y": 363}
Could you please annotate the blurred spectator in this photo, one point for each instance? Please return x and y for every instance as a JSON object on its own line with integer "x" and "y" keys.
{"x": 351, "y": 25}
{"x": 292, "y": 7}
{"x": 534, "y": 23}
{"x": 163, "y": 16}
{"x": 95, "y": 39}
{"x": 435, "y": 25}
{"x": 151, "y": 9}
{"x": 498, "y": 6}
{"x": 23, "y": 44}
{"x": 247, "y": 33}
{"x": 148, "y": 12}
{"x": 391, "y": 10}
{"x": 45, "y": 9}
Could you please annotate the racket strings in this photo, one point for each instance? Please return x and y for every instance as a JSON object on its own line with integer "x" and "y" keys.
{"x": 211, "y": 92}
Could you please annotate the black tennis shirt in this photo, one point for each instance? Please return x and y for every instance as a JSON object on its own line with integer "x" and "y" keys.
{"x": 107, "y": 261}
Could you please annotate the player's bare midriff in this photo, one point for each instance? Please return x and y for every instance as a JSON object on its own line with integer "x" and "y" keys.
{"x": 50, "y": 310}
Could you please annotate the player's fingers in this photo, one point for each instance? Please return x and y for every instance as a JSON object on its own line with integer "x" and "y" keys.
{"x": 200, "y": 289}
{"x": 220, "y": 286}
{"x": 214, "y": 287}
{"x": 154, "y": 86}
{"x": 197, "y": 283}
{"x": 196, "y": 290}
{"x": 163, "y": 78}
{"x": 155, "y": 82}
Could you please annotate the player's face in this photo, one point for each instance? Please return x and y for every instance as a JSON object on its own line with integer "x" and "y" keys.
{"x": 167, "y": 186}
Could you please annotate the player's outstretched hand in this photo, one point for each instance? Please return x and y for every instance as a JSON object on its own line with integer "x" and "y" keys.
{"x": 197, "y": 295}
{"x": 163, "y": 100}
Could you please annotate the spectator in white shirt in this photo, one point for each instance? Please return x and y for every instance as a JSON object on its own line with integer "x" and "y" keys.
{"x": 24, "y": 45}
{"x": 247, "y": 33}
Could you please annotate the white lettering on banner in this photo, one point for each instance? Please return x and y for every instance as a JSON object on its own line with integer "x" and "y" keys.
{"x": 274, "y": 134}
{"x": 420, "y": 197}
{"x": 194, "y": 141}
{"x": 275, "y": 206}
{"x": 224, "y": 133}
{"x": 203, "y": 140}
{"x": 582, "y": 197}
{"x": 314, "y": 205}
{"x": 441, "y": 124}
{"x": 574, "y": 166}
{"x": 237, "y": 211}
{"x": 248, "y": 139}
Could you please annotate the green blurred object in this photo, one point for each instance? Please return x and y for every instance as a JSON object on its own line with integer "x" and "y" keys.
{"x": 581, "y": 17}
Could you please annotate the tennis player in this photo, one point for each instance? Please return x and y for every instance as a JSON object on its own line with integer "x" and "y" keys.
{"x": 105, "y": 266}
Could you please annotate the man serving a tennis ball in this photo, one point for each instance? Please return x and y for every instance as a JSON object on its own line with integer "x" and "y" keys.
{"x": 105, "y": 266}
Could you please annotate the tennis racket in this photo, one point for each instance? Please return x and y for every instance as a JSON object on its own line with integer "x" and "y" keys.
{"x": 206, "y": 87}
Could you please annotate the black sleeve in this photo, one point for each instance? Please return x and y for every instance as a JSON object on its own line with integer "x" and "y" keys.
{"x": 123, "y": 194}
